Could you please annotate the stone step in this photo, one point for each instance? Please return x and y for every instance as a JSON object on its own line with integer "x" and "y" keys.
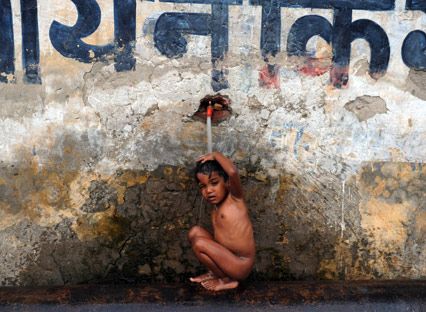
{"x": 250, "y": 296}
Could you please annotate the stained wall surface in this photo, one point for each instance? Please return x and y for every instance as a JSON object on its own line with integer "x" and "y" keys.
{"x": 98, "y": 139}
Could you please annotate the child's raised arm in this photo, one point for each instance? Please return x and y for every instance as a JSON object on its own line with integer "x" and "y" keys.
{"x": 228, "y": 166}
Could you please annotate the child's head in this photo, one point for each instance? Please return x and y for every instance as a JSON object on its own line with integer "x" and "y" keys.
{"x": 212, "y": 181}
{"x": 209, "y": 167}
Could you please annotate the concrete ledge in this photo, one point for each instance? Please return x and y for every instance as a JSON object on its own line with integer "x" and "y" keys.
{"x": 306, "y": 296}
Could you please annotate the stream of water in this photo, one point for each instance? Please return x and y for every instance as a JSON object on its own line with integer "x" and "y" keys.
{"x": 209, "y": 135}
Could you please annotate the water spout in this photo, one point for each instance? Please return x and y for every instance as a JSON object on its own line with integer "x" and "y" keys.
{"x": 220, "y": 105}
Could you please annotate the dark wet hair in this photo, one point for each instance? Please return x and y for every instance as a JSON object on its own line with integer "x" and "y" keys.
{"x": 208, "y": 168}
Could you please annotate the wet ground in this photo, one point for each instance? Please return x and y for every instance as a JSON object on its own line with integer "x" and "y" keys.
{"x": 274, "y": 296}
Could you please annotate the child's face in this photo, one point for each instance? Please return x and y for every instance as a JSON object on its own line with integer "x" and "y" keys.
{"x": 213, "y": 188}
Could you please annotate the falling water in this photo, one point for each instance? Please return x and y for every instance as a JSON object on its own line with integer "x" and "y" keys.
{"x": 200, "y": 211}
{"x": 209, "y": 135}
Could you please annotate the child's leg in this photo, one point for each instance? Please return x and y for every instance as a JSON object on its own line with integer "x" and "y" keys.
{"x": 228, "y": 267}
{"x": 195, "y": 233}
{"x": 206, "y": 260}
{"x": 220, "y": 260}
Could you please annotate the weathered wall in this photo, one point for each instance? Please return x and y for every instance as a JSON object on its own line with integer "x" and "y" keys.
{"x": 98, "y": 139}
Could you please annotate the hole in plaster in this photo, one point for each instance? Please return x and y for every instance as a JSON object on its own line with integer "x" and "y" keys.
{"x": 221, "y": 108}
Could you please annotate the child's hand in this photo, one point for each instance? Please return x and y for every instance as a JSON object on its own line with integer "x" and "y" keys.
{"x": 206, "y": 157}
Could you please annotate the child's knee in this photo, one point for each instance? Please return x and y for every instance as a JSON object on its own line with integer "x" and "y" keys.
{"x": 199, "y": 244}
{"x": 194, "y": 232}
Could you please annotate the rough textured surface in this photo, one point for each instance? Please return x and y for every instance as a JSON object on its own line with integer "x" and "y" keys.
{"x": 95, "y": 169}
{"x": 416, "y": 84}
{"x": 366, "y": 107}
{"x": 254, "y": 296}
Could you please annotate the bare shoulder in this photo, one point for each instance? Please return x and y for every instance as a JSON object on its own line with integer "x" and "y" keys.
{"x": 236, "y": 202}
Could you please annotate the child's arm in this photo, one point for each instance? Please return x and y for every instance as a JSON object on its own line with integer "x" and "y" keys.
{"x": 228, "y": 166}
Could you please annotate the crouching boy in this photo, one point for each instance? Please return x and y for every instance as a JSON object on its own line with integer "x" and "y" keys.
{"x": 229, "y": 253}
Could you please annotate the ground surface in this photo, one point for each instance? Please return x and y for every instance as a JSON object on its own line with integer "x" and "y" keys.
{"x": 274, "y": 296}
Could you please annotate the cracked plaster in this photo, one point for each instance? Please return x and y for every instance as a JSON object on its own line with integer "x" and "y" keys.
{"x": 95, "y": 170}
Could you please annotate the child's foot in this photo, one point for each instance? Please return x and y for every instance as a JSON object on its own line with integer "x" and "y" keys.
{"x": 204, "y": 277}
{"x": 217, "y": 284}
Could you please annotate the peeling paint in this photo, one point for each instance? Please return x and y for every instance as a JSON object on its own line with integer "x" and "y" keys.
{"x": 95, "y": 170}
{"x": 367, "y": 107}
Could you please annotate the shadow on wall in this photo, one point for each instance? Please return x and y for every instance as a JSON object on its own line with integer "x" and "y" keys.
{"x": 132, "y": 227}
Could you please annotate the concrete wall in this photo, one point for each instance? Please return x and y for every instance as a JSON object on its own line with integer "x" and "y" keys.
{"x": 98, "y": 140}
